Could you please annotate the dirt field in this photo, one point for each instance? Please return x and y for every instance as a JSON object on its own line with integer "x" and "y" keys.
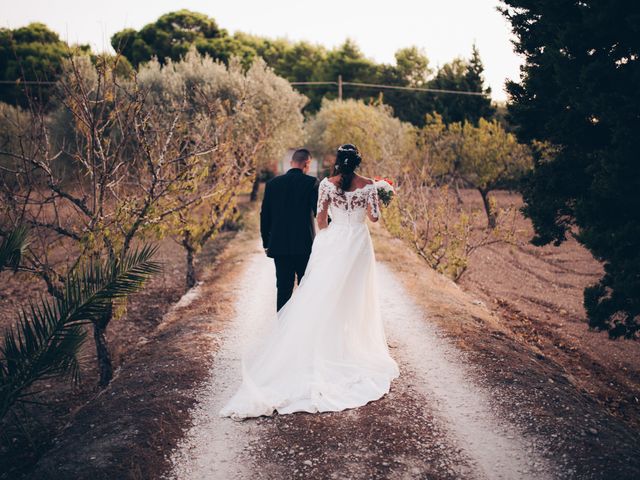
{"x": 537, "y": 292}
{"x": 549, "y": 374}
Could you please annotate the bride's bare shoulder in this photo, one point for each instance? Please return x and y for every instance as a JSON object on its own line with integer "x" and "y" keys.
{"x": 364, "y": 180}
{"x": 335, "y": 179}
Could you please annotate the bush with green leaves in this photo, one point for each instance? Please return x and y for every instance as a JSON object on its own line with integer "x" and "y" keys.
{"x": 386, "y": 144}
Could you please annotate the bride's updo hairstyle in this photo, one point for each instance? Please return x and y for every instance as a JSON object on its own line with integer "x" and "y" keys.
{"x": 347, "y": 160}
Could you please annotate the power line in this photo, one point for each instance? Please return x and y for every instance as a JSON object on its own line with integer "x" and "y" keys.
{"x": 313, "y": 83}
{"x": 338, "y": 83}
{"x": 27, "y": 82}
{"x": 393, "y": 87}
{"x": 416, "y": 89}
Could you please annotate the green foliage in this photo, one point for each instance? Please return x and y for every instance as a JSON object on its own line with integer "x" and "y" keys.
{"x": 463, "y": 75}
{"x": 174, "y": 33}
{"x": 36, "y": 53}
{"x": 578, "y": 92}
{"x": 32, "y": 53}
{"x": 266, "y": 110}
{"x": 12, "y": 248}
{"x": 484, "y": 157}
{"x": 48, "y": 335}
{"x": 491, "y": 157}
{"x": 383, "y": 140}
{"x": 412, "y": 66}
{"x": 170, "y": 37}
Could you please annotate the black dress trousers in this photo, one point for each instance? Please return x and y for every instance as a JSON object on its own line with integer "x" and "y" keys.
{"x": 288, "y": 267}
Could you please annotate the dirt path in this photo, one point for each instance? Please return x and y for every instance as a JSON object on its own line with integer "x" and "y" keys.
{"x": 215, "y": 447}
{"x": 495, "y": 447}
{"x": 438, "y": 421}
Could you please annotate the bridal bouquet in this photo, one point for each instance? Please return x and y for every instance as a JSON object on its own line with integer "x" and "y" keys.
{"x": 385, "y": 190}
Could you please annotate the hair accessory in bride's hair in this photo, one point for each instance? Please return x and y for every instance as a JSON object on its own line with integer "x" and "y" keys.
{"x": 347, "y": 160}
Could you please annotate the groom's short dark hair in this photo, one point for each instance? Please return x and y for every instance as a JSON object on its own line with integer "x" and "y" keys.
{"x": 301, "y": 155}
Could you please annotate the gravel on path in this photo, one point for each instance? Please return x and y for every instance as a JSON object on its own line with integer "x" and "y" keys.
{"x": 436, "y": 422}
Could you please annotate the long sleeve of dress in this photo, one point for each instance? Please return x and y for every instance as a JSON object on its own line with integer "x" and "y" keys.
{"x": 373, "y": 204}
{"x": 323, "y": 204}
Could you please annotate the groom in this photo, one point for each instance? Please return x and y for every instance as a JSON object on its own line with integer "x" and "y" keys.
{"x": 286, "y": 222}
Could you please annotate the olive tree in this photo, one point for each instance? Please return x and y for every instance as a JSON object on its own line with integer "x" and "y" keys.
{"x": 483, "y": 156}
{"x": 387, "y": 145}
{"x": 491, "y": 158}
{"x": 275, "y": 122}
{"x": 253, "y": 116}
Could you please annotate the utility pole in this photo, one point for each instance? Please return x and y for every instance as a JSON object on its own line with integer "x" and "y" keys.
{"x": 340, "y": 87}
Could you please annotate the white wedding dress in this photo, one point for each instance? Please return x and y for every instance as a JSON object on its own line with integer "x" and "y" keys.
{"x": 326, "y": 348}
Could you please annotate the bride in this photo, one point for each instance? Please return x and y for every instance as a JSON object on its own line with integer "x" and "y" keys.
{"x": 326, "y": 349}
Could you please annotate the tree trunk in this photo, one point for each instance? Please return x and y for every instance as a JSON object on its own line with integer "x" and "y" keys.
{"x": 491, "y": 218}
{"x": 188, "y": 245}
{"x": 191, "y": 270}
{"x": 255, "y": 188}
{"x": 456, "y": 189}
{"x": 102, "y": 349}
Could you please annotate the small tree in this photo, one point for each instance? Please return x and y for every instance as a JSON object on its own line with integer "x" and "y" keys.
{"x": 491, "y": 158}
{"x": 484, "y": 157}
{"x": 429, "y": 219}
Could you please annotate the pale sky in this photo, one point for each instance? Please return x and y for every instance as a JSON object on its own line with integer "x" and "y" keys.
{"x": 444, "y": 29}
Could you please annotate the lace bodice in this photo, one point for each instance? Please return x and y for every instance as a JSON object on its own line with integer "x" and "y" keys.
{"x": 348, "y": 207}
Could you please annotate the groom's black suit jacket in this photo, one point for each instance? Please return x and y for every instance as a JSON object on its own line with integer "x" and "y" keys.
{"x": 286, "y": 218}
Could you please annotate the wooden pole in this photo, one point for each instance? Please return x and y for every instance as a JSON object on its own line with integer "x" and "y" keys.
{"x": 340, "y": 87}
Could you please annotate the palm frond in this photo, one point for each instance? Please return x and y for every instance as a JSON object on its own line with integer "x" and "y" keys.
{"x": 48, "y": 335}
{"x": 12, "y": 247}
{"x": 94, "y": 289}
